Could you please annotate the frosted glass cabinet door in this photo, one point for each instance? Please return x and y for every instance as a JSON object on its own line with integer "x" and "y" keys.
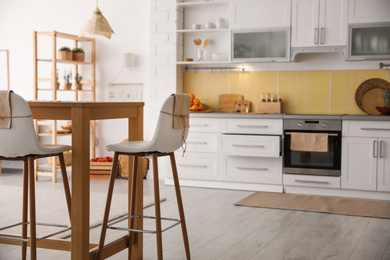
{"x": 369, "y": 42}
{"x": 261, "y": 45}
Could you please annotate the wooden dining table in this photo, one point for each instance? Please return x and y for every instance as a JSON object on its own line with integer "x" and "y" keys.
{"x": 81, "y": 113}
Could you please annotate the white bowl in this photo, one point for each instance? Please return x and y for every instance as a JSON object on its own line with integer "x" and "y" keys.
{"x": 219, "y": 57}
{"x": 196, "y": 26}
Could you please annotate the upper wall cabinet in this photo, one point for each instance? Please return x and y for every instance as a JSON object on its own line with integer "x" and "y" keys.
{"x": 319, "y": 23}
{"x": 372, "y": 11}
{"x": 260, "y": 13}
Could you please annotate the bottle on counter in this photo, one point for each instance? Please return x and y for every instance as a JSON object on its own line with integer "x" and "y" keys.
{"x": 268, "y": 97}
{"x": 263, "y": 97}
{"x": 272, "y": 98}
{"x": 279, "y": 98}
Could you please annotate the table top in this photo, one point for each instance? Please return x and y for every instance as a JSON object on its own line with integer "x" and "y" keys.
{"x": 62, "y": 110}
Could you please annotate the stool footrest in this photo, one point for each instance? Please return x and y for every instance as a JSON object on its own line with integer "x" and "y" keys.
{"x": 111, "y": 225}
{"x": 65, "y": 228}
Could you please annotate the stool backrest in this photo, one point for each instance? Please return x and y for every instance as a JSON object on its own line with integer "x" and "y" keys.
{"x": 20, "y": 139}
{"x": 167, "y": 139}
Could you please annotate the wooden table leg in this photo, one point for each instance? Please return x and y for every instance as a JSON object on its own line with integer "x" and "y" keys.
{"x": 80, "y": 183}
{"x": 136, "y": 134}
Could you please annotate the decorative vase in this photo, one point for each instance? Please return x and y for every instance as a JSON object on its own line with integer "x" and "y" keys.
{"x": 67, "y": 85}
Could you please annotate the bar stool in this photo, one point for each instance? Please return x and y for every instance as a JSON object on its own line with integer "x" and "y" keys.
{"x": 19, "y": 142}
{"x": 170, "y": 135}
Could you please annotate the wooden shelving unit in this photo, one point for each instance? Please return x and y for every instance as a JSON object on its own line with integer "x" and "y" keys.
{"x": 38, "y": 89}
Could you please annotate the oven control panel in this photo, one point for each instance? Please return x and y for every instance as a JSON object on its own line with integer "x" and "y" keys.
{"x": 316, "y": 125}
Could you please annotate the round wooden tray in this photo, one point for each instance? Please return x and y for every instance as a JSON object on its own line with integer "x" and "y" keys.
{"x": 369, "y": 95}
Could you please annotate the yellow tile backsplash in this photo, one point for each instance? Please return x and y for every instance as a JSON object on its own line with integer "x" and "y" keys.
{"x": 302, "y": 92}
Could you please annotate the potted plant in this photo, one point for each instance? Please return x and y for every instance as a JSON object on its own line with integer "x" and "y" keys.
{"x": 58, "y": 83}
{"x": 386, "y": 97}
{"x": 64, "y": 53}
{"x": 78, "y": 54}
{"x": 67, "y": 77}
{"x": 77, "y": 84}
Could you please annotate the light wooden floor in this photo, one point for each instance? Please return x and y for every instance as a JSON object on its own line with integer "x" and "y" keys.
{"x": 218, "y": 230}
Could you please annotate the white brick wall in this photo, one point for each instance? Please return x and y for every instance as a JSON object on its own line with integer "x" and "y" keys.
{"x": 163, "y": 75}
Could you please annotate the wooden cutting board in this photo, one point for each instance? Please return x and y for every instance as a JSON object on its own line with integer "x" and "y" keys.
{"x": 226, "y": 102}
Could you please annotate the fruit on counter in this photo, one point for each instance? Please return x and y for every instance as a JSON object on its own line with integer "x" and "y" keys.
{"x": 195, "y": 104}
{"x": 101, "y": 159}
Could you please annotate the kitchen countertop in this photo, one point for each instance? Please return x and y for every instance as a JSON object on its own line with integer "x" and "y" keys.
{"x": 237, "y": 115}
{"x": 291, "y": 116}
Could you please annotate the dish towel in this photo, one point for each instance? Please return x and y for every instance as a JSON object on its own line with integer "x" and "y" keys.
{"x": 5, "y": 109}
{"x": 181, "y": 111}
{"x": 309, "y": 142}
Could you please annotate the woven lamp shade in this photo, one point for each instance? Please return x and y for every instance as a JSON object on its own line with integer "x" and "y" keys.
{"x": 97, "y": 25}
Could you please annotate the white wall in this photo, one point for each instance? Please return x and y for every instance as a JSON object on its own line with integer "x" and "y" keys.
{"x": 130, "y": 20}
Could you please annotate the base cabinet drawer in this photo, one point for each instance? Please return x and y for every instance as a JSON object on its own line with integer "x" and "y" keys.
{"x": 311, "y": 181}
{"x": 253, "y": 169}
{"x": 205, "y": 125}
{"x": 250, "y": 145}
{"x": 253, "y": 126}
{"x": 197, "y": 166}
{"x": 202, "y": 142}
{"x": 375, "y": 129}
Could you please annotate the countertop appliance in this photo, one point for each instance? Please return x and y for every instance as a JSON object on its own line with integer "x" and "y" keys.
{"x": 313, "y": 163}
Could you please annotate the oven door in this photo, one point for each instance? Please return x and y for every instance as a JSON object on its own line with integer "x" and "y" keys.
{"x": 313, "y": 163}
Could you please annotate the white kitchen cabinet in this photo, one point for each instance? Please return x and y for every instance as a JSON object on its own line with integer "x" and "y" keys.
{"x": 232, "y": 153}
{"x": 366, "y": 155}
{"x": 319, "y": 23}
{"x": 372, "y": 11}
{"x": 260, "y": 13}
{"x": 359, "y": 166}
{"x": 200, "y": 159}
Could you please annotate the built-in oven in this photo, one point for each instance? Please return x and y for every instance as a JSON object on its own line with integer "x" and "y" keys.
{"x": 327, "y": 162}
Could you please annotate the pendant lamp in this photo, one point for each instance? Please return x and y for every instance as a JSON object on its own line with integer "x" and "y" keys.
{"x": 97, "y": 25}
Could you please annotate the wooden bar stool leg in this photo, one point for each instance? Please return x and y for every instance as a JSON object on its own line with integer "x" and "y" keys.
{"x": 25, "y": 208}
{"x": 33, "y": 235}
{"x": 132, "y": 192}
{"x": 66, "y": 183}
{"x": 157, "y": 208}
{"x": 180, "y": 206}
{"x": 108, "y": 205}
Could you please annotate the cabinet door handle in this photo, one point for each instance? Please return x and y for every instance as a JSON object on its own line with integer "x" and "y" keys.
{"x": 259, "y": 126}
{"x": 375, "y": 129}
{"x": 193, "y": 165}
{"x": 247, "y": 145}
{"x": 199, "y": 124}
{"x": 315, "y": 36}
{"x": 194, "y": 142}
{"x": 318, "y": 182}
{"x": 322, "y": 36}
{"x": 381, "y": 152}
{"x": 375, "y": 155}
{"x": 251, "y": 169}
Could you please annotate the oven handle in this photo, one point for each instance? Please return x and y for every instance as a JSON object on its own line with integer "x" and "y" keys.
{"x": 289, "y": 133}
{"x": 319, "y": 182}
